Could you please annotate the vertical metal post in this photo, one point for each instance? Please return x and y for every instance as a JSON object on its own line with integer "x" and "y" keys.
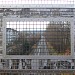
{"x": 1, "y": 66}
{"x": 10, "y": 63}
{"x": 20, "y": 64}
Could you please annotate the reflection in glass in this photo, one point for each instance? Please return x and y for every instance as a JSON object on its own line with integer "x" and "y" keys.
{"x": 38, "y": 38}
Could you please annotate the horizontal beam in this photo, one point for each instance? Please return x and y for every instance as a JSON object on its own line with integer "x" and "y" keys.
{"x": 38, "y": 19}
{"x": 57, "y": 57}
{"x": 36, "y": 5}
{"x": 38, "y": 71}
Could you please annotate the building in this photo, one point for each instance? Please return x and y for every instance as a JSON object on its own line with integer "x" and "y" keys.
{"x": 11, "y": 35}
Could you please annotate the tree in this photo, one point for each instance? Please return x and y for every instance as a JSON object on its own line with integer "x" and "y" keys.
{"x": 58, "y": 35}
{"x": 26, "y": 47}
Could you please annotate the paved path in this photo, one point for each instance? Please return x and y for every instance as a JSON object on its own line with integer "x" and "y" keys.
{"x": 41, "y": 50}
{"x": 41, "y": 47}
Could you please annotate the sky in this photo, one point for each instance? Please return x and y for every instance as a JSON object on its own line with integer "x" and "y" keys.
{"x": 37, "y": 1}
{"x": 19, "y": 26}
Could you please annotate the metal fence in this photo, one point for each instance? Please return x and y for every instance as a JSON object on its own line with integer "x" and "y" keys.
{"x": 39, "y": 64}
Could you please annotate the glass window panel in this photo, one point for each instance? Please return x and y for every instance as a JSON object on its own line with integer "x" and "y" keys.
{"x": 38, "y": 38}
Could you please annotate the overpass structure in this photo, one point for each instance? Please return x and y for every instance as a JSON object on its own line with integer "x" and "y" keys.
{"x": 37, "y": 39}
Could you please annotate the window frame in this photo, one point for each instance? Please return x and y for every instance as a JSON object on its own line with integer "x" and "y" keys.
{"x": 41, "y": 56}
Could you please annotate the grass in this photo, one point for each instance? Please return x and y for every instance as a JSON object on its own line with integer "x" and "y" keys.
{"x": 52, "y": 50}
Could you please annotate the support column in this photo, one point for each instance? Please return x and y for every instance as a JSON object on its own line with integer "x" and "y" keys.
{"x": 10, "y": 63}
{"x": 20, "y": 64}
{"x": 1, "y": 66}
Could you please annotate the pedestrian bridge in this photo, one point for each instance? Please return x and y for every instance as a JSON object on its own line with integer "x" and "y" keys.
{"x": 37, "y": 39}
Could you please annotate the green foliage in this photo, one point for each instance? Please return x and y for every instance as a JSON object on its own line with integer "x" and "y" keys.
{"x": 26, "y": 47}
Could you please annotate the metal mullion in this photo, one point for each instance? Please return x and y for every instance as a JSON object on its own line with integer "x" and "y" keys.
{"x": 63, "y": 35}
{"x": 26, "y": 35}
{"x": 23, "y": 35}
{"x": 40, "y": 35}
